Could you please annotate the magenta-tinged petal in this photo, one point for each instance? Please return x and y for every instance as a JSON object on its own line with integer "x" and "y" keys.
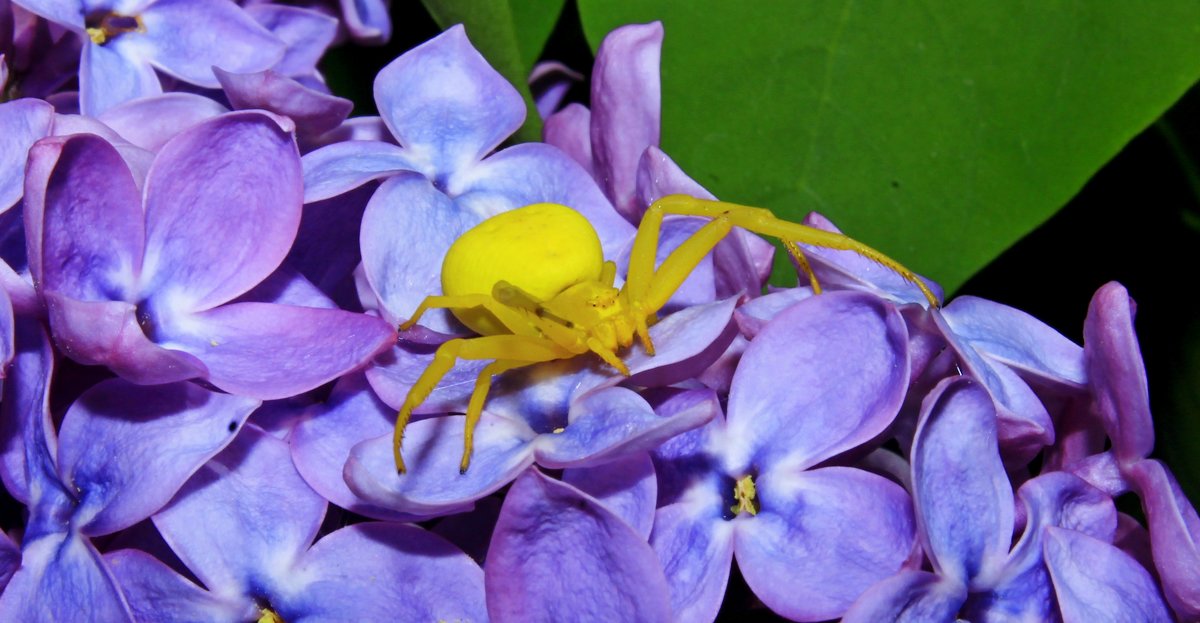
{"x": 625, "y": 110}
{"x": 570, "y": 130}
{"x": 313, "y": 112}
{"x": 626, "y": 487}
{"x": 90, "y": 243}
{"x": 223, "y": 206}
{"x": 549, "y": 81}
{"x": 824, "y": 376}
{"x": 909, "y": 597}
{"x": 963, "y": 499}
{"x": 614, "y": 422}
{"x": 1118, "y": 376}
{"x": 244, "y": 517}
{"x": 24, "y": 121}
{"x": 108, "y": 77}
{"x": 10, "y": 559}
{"x": 442, "y": 99}
{"x": 432, "y": 451}
{"x": 109, "y": 334}
{"x": 63, "y": 578}
{"x": 1174, "y": 535}
{"x": 344, "y": 166}
{"x": 157, "y": 593}
{"x": 384, "y": 572}
{"x": 821, "y": 538}
{"x": 535, "y": 173}
{"x": 321, "y": 443}
{"x": 126, "y": 449}
{"x": 150, "y": 122}
{"x": 695, "y": 549}
{"x": 272, "y": 351}
{"x": 25, "y": 400}
{"x": 1095, "y": 581}
{"x": 187, "y": 38}
{"x": 553, "y": 541}
{"x": 1016, "y": 339}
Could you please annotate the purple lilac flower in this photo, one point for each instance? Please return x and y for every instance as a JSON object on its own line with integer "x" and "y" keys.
{"x": 561, "y": 414}
{"x": 824, "y": 377}
{"x": 256, "y": 554}
{"x": 965, "y": 514}
{"x": 121, "y": 453}
{"x": 125, "y": 41}
{"x": 553, "y": 541}
{"x": 153, "y": 293}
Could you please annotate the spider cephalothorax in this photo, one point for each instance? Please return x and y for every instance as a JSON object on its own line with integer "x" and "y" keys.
{"x": 534, "y": 284}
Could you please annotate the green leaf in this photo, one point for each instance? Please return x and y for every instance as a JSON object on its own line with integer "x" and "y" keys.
{"x": 939, "y": 132}
{"x": 510, "y": 34}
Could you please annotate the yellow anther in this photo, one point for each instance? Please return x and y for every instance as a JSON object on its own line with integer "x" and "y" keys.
{"x": 111, "y": 25}
{"x": 745, "y": 493}
{"x": 267, "y": 615}
{"x": 542, "y": 249}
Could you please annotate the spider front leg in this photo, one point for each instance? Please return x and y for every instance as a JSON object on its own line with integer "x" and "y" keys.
{"x": 510, "y": 351}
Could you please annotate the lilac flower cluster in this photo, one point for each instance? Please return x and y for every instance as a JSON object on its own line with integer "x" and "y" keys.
{"x": 204, "y": 262}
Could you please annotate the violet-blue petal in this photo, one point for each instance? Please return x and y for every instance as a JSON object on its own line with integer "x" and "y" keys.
{"x": 107, "y": 78}
{"x": 626, "y": 487}
{"x": 625, "y": 110}
{"x": 407, "y": 228}
{"x": 614, "y": 421}
{"x": 1174, "y": 535}
{"x": 367, "y": 20}
{"x": 443, "y": 100}
{"x": 1024, "y": 424}
{"x": 23, "y": 121}
{"x": 700, "y": 286}
{"x": 384, "y": 572}
{"x": 756, "y": 313}
{"x": 432, "y": 451}
{"x": 821, "y": 538}
{"x": 90, "y": 246}
{"x": 63, "y": 578}
{"x": 286, "y": 286}
{"x": 963, "y": 498}
{"x": 158, "y": 593}
{"x": 7, "y": 327}
{"x": 553, "y": 541}
{"x": 25, "y": 402}
{"x": 321, "y": 443}
{"x": 306, "y": 33}
{"x": 273, "y": 351}
{"x": 549, "y": 81}
{"x": 1017, "y": 339}
{"x": 223, "y": 203}
{"x": 1118, "y": 376}
{"x": 150, "y": 122}
{"x": 393, "y": 374}
{"x": 846, "y": 357}
{"x": 108, "y": 333}
{"x": 187, "y": 38}
{"x": 68, "y": 13}
{"x": 909, "y": 597}
{"x": 695, "y": 547}
{"x": 535, "y": 173}
{"x": 244, "y": 517}
{"x": 570, "y": 130}
{"x": 1096, "y": 582}
{"x": 836, "y": 269}
{"x": 313, "y": 112}
{"x": 344, "y": 166}
{"x": 126, "y": 449}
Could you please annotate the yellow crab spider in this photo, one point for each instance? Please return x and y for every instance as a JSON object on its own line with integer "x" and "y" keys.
{"x": 533, "y": 283}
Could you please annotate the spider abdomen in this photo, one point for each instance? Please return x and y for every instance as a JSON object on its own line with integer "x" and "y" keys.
{"x": 542, "y": 249}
